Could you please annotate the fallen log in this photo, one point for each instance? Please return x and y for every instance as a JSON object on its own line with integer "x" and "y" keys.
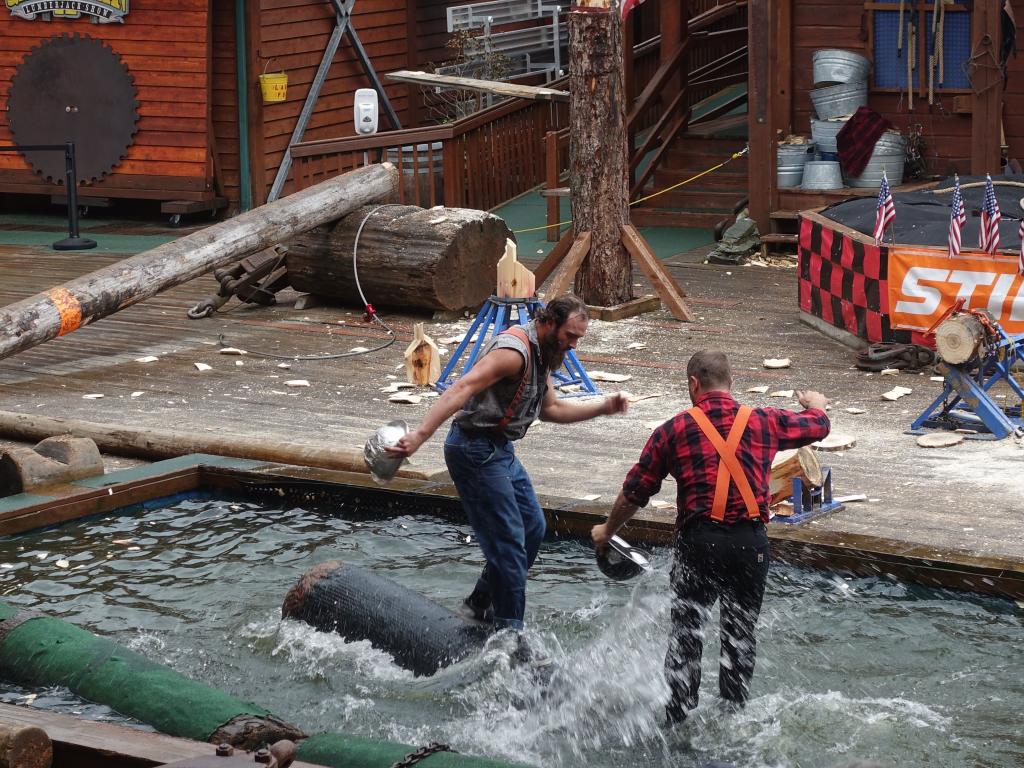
{"x": 88, "y": 298}
{"x": 436, "y": 258}
{"x": 24, "y": 746}
{"x": 802, "y": 463}
{"x": 121, "y": 440}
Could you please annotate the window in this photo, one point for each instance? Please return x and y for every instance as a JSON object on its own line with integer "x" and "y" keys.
{"x": 891, "y": 54}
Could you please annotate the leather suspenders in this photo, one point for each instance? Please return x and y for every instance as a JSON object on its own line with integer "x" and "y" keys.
{"x": 510, "y": 412}
{"x": 729, "y": 467}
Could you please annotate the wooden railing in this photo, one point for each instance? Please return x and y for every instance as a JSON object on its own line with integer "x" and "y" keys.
{"x": 477, "y": 162}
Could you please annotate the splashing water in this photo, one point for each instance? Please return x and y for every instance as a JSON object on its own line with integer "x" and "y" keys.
{"x": 847, "y": 668}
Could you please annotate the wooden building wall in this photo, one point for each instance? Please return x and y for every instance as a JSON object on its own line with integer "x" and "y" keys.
{"x": 165, "y": 46}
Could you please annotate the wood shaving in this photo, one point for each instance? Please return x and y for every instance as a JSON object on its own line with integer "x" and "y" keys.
{"x": 896, "y": 393}
{"x": 854, "y": 410}
{"x": 297, "y": 383}
{"x": 202, "y": 366}
{"x": 776, "y": 362}
{"x": 404, "y": 397}
{"x": 610, "y": 377}
{"x": 757, "y": 390}
{"x": 232, "y": 351}
{"x": 781, "y": 393}
{"x": 94, "y": 396}
{"x": 889, "y": 372}
{"x": 147, "y": 359}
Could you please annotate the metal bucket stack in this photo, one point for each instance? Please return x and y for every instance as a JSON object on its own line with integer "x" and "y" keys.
{"x": 841, "y": 78}
{"x": 791, "y": 159}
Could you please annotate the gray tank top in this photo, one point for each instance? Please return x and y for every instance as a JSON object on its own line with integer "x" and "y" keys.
{"x": 484, "y": 410}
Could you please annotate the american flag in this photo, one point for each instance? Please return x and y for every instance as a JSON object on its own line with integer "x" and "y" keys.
{"x": 957, "y": 219}
{"x": 1020, "y": 259}
{"x": 990, "y": 217}
{"x": 886, "y": 211}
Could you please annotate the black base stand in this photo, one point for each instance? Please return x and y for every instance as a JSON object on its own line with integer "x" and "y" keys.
{"x": 74, "y": 244}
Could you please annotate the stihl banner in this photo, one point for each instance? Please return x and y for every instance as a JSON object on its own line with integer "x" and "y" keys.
{"x": 924, "y": 284}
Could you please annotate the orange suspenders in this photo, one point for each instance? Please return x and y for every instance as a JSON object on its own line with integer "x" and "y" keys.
{"x": 729, "y": 467}
{"x": 510, "y": 411}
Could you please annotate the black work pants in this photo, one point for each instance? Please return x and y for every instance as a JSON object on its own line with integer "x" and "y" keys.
{"x": 715, "y": 562}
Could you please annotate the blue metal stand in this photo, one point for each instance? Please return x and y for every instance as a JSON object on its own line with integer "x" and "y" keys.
{"x": 809, "y": 501}
{"x": 965, "y": 402}
{"x": 495, "y": 316}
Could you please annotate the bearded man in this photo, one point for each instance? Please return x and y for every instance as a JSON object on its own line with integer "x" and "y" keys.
{"x": 494, "y": 404}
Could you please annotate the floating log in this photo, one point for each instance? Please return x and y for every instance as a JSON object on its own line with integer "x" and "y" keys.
{"x": 123, "y": 440}
{"x": 959, "y": 338}
{"x": 800, "y": 462}
{"x": 437, "y": 258}
{"x": 24, "y": 746}
{"x": 86, "y": 299}
{"x": 358, "y": 604}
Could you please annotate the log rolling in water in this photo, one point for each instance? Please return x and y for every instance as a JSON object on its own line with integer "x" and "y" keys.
{"x": 86, "y": 299}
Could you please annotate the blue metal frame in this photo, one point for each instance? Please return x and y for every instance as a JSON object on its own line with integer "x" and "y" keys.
{"x": 810, "y": 501}
{"x": 495, "y": 316}
{"x": 965, "y": 402}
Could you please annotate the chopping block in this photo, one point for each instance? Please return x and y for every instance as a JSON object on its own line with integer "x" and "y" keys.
{"x": 55, "y": 460}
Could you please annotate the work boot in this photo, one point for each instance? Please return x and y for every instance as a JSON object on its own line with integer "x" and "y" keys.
{"x": 477, "y": 608}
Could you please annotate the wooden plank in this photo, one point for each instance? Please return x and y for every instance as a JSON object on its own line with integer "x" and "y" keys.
{"x": 987, "y": 79}
{"x": 483, "y": 86}
{"x": 661, "y": 280}
{"x": 118, "y": 744}
{"x": 566, "y": 272}
{"x": 554, "y": 257}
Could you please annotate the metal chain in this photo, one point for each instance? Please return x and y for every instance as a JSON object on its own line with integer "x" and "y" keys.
{"x": 414, "y": 757}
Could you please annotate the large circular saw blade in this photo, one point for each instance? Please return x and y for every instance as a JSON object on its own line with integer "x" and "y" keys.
{"x": 73, "y": 88}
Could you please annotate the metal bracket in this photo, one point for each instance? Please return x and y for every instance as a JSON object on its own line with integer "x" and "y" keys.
{"x": 342, "y": 26}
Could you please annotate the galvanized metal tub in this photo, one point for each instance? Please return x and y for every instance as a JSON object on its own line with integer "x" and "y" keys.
{"x": 824, "y": 133}
{"x": 790, "y": 163}
{"x": 822, "y": 174}
{"x": 831, "y": 66}
{"x": 839, "y": 100}
{"x": 889, "y": 155}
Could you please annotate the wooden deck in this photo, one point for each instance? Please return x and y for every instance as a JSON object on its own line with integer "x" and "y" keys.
{"x": 962, "y": 498}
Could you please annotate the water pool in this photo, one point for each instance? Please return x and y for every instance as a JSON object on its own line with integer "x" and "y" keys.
{"x": 847, "y": 668}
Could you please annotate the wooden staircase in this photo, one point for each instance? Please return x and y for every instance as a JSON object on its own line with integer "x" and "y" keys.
{"x": 713, "y": 200}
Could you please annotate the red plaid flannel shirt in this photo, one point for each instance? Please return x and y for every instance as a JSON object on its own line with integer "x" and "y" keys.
{"x": 680, "y": 449}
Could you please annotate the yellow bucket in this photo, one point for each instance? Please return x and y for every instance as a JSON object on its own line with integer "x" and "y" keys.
{"x": 274, "y": 87}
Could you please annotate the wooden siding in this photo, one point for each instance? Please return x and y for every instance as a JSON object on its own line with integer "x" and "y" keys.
{"x": 293, "y": 35}
{"x": 164, "y": 46}
{"x": 947, "y": 135}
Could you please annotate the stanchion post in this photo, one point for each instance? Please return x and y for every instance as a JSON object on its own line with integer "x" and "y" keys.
{"x": 72, "y": 242}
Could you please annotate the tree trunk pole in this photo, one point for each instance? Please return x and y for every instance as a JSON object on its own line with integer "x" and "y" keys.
{"x": 88, "y": 298}
{"x": 598, "y": 150}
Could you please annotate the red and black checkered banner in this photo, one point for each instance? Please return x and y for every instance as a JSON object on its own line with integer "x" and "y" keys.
{"x": 843, "y": 281}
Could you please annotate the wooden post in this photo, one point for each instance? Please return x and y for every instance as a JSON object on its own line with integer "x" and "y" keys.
{"x": 86, "y": 299}
{"x": 987, "y": 87}
{"x": 598, "y": 152}
{"x": 672, "y": 23}
{"x": 760, "y": 128}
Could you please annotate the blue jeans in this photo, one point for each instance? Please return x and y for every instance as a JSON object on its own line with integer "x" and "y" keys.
{"x": 499, "y": 501}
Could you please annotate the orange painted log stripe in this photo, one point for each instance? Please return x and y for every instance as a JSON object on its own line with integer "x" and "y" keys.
{"x": 69, "y": 308}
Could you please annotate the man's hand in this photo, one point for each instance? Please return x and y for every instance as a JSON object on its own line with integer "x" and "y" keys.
{"x": 808, "y": 398}
{"x": 601, "y": 534}
{"x": 408, "y": 445}
{"x": 617, "y": 403}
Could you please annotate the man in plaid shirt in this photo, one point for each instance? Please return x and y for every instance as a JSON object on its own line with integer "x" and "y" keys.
{"x": 720, "y": 454}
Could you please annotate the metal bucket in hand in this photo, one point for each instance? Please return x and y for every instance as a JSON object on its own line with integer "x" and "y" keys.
{"x": 839, "y": 100}
{"x": 831, "y": 66}
{"x": 889, "y": 155}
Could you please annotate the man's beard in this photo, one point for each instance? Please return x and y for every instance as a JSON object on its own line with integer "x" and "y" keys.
{"x": 550, "y": 355}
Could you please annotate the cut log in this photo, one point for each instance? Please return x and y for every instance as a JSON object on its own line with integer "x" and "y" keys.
{"x": 437, "y": 258}
{"x": 24, "y": 746}
{"x": 81, "y": 301}
{"x": 801, "y": 463}
{"x": 959, "y": 338}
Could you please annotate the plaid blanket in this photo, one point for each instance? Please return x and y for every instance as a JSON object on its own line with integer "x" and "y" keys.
{"x": 856, "y": 140}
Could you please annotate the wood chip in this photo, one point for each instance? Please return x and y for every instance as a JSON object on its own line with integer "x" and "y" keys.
{"x": 939, "y": 439}
{"x": 94, "y": 396}
{"x": 937, "y": 378}
{"x": 636, "y": 345}
{"x": 201, "y": 366}
{"x": 776, "y": 362}
{"x": 297, "y": 383}
{"x": 591, "y": 497}
{"x": 659, "y": 504}
{"x": 138, "y": 394}
{"x": 854, "y": 410}
{"x": 284, "y": 366}
{"x": 850, "y": 497}
{"x": 896, "y": 393}
{"x": 404, "y": 397}
{"x": 610, "y": 377}
{"x": 62, "y": 563}
{"x": 835, "y": 442}
{"x": 781, "y": 393}
{"x": 757, "y": 390}
{"x": 239, "y": 362}
{"x": 147, "y": 359}
{"x": 232, "y": 351}
{"x": 638, "y": 398}
{"x": 359, "y": 349}
{"x": 889, "y": 372}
